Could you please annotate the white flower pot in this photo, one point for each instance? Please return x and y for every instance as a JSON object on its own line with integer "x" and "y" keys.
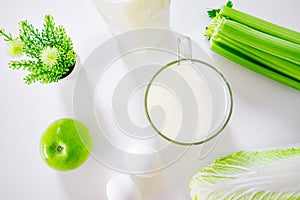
{"x": 74, "y": 72}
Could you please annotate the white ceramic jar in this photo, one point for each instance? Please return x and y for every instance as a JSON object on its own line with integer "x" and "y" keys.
{"x": 125, "y": 15}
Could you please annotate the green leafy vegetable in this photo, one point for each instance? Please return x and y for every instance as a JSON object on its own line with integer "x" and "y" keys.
{"x": 261, "y": 46}
{"x": 213, "y": 12}
{"x": 269, "y": 174}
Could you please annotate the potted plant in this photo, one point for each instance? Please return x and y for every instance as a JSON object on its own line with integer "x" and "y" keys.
{"x": 47, "y": 54}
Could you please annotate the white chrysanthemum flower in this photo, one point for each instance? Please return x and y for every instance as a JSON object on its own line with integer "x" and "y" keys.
{"x": 49, "y": 56}
{"x": 15, "y": 48}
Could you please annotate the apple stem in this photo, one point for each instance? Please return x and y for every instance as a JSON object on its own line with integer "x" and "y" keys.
{"x": 59, "y": 148}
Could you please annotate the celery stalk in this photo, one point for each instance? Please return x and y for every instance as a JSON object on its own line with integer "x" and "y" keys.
{"x": 263, "y": 62}
{"x": 269, "y": 60}
{"x": 261, "y": 46}
{"x": 251, "y": 64}
{"x": 261, "y": 25}
{"x": 264, "y": 42}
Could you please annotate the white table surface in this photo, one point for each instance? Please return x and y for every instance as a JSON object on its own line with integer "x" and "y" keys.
{"x": 266, "y": 113}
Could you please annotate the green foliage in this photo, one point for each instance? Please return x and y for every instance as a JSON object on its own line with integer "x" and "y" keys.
{"x": 35, "y": 42}
{"x": 7, "y": 37}
{"x": 212, "y": 13}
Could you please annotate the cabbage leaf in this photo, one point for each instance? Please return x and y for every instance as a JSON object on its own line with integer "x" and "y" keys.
{"x": 268, "y": 174}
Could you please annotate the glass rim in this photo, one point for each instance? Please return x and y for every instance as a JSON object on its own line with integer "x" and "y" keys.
{"x": 220, "y": 127}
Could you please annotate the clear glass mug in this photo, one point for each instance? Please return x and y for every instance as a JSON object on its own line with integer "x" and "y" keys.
{"x": 198, "y": 105}
{"x": 125, "y": 15}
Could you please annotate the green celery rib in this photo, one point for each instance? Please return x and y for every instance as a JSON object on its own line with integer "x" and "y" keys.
{"x": 273, "y": 62}
{"x": 249, "y": 63}
{"x": 264, "y": 42}
{"x": 261, "y": 25}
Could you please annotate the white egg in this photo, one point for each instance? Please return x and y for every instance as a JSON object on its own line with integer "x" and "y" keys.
{"x": 122, "y": 187}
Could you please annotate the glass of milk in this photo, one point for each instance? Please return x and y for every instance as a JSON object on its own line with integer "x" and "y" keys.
{"x": 192, "y": 97}
{"x": 125, "y": 15}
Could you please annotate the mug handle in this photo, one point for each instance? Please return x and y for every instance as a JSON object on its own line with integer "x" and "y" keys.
{"x": 184, "y": 48}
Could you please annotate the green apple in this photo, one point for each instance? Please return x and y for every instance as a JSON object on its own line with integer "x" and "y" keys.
{"x": 65, "y": 144}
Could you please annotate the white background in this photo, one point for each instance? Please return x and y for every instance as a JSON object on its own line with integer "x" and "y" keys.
{"x": 266, "y": 113}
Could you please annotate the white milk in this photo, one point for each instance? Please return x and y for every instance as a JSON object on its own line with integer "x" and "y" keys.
{"x": 163, "y": 97}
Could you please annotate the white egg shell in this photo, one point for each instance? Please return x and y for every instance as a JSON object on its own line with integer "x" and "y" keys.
{"x": 122, "y": 187}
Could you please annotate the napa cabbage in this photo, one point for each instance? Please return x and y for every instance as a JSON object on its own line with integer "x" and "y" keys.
{"x": 267, "y": 174}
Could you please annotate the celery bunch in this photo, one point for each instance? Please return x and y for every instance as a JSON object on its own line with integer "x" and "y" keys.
{"x": 261, "y": 46}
